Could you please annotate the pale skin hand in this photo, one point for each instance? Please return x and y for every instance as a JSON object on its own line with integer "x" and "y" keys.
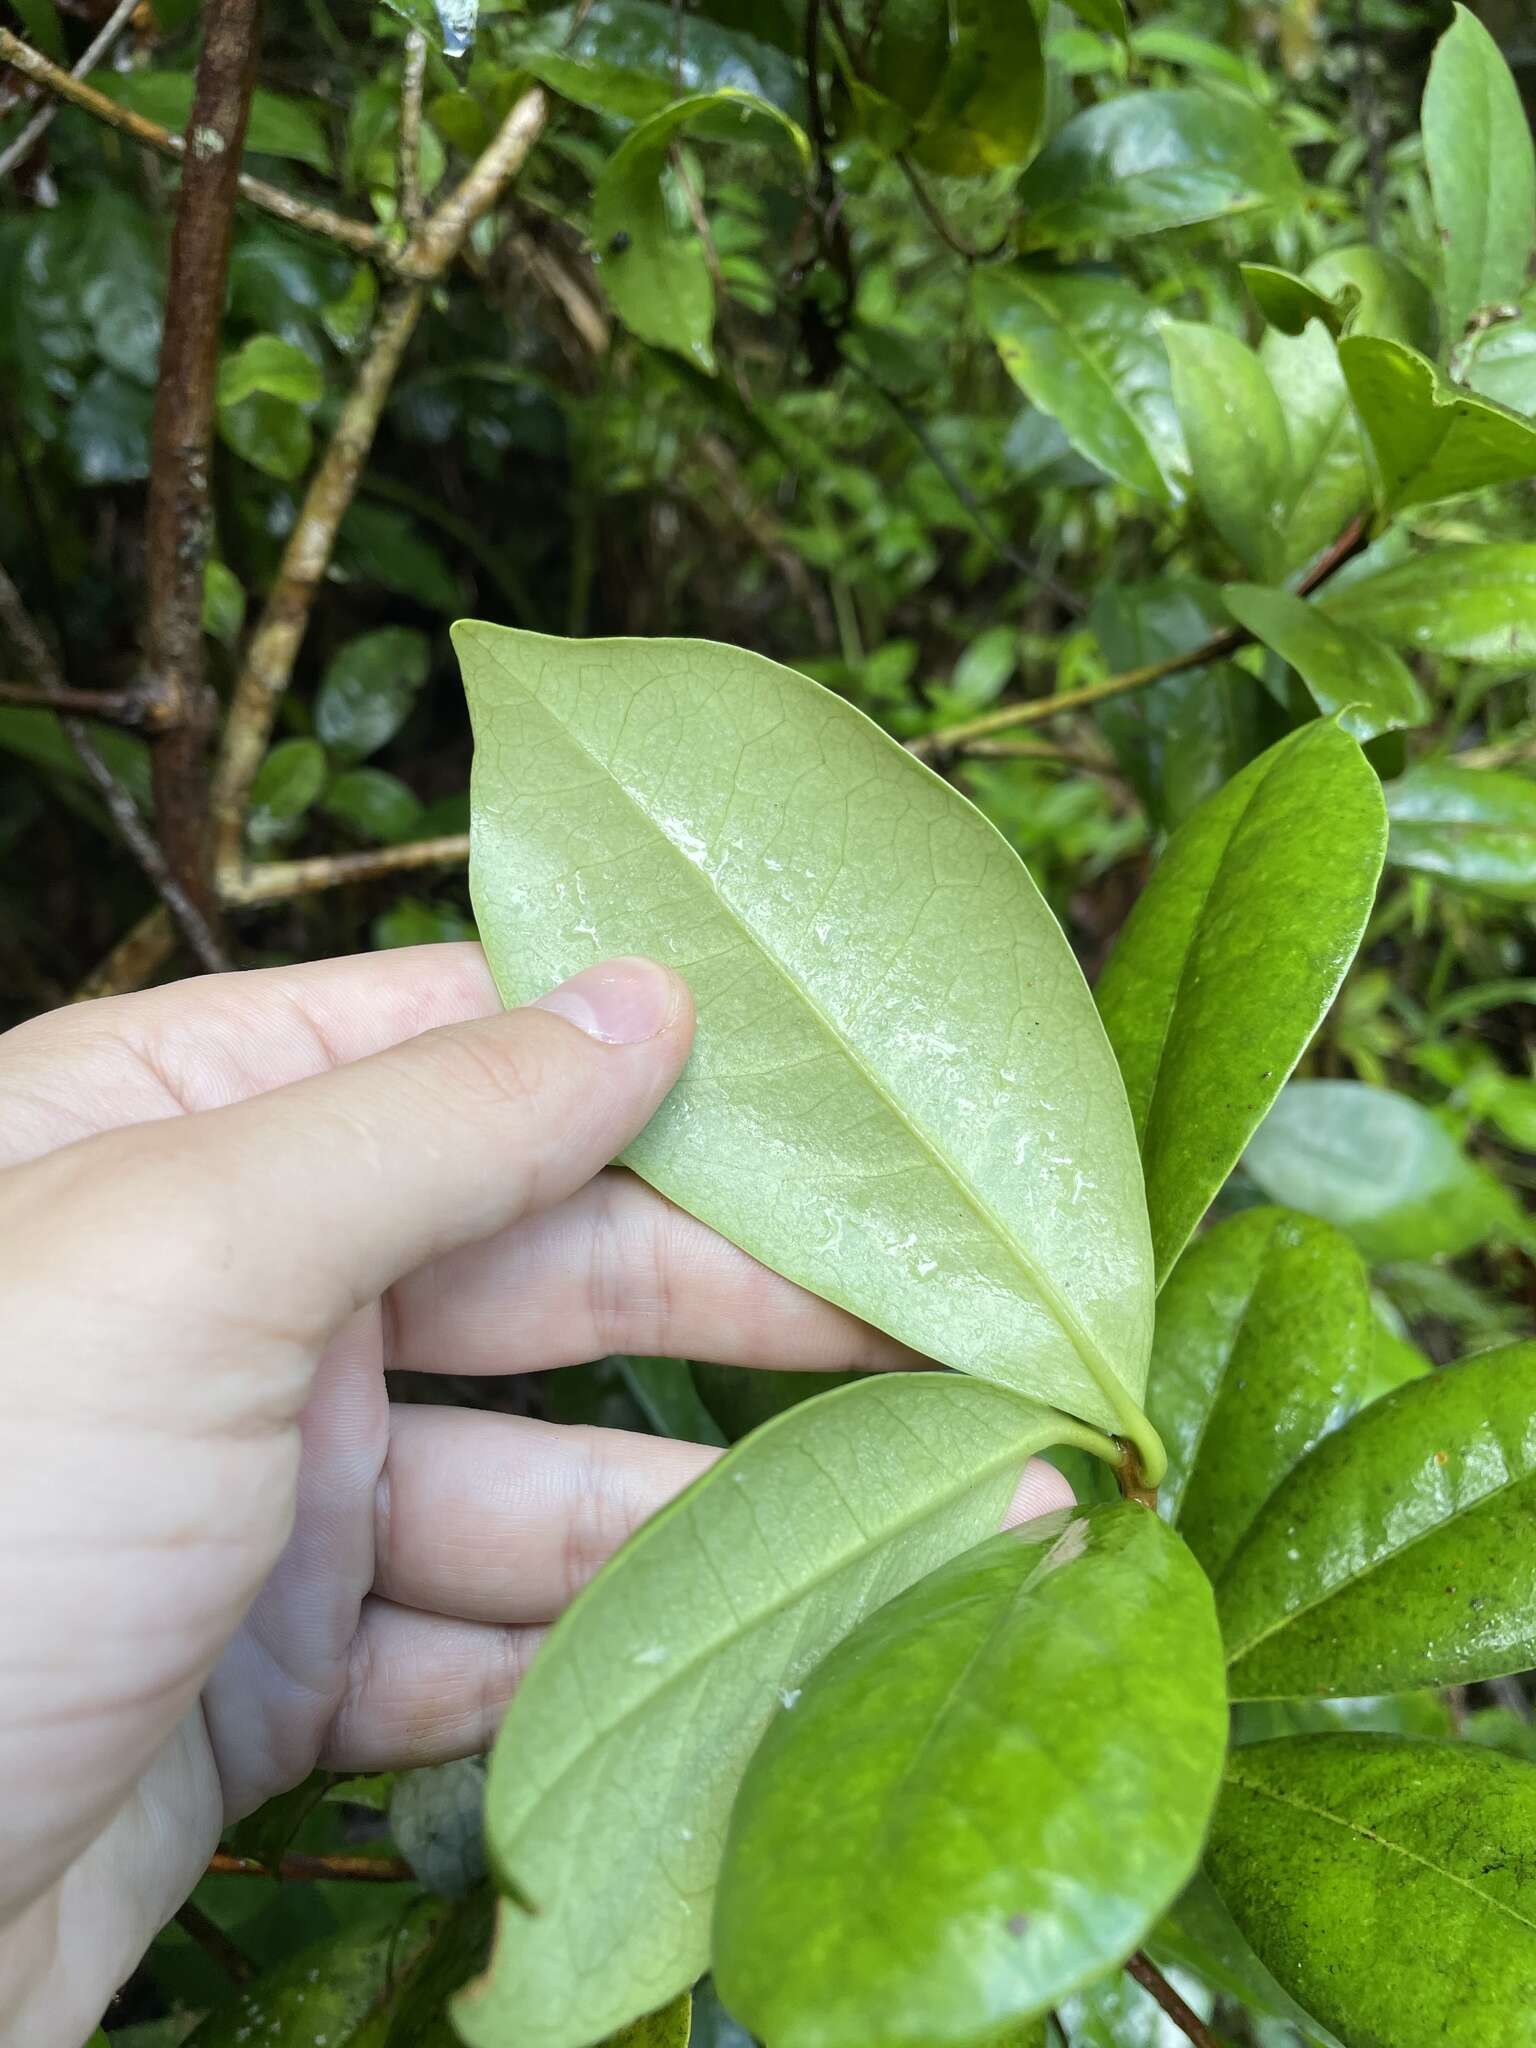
{"x": 225, "y": 1208}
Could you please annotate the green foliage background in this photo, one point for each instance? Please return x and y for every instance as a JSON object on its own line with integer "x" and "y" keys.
{"x": 1032, "y": 348}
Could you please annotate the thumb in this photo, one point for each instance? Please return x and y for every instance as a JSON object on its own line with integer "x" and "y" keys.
{"x": 311, "y": 1200}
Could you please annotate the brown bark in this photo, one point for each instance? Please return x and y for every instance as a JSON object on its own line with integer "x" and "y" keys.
{"x": 179, "y": 706}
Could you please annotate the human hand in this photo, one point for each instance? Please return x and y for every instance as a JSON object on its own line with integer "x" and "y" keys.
{"x": 227, "y": 1207}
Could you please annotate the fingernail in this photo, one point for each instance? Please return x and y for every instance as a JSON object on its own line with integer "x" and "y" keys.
{"x": 622, "y": 1002}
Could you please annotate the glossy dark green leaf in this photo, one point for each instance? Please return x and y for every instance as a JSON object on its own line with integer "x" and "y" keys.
{"x": 886, "y": 1008}
{"x": 1390, "y": 1885}
{"x": 912, "y": 1858}
{"x": 1482, "y": 171}
{"x": 1347, "y": 670}
{"x": 1380, "y": 1166}
{"x": 665, "y": 1391}
{"x": 418, "y": 2015}
{"x": 288, "y": 782}
{"x": 619, "y": 1759}
{"x": 742, "y": 1398}
{"x": 1231, "y": 958}
{"x": 1289, "y": 302}
{"x": 1398, "y": 1553}
{"x": 332, "y": 1988}
{"x": 279, "y": 125}
{"x": 656, "y": 272}
{"x": 1265, "y": 1342}
{"x": 989, "y": 108}
{"x": 1153, "y": 160}
{"x": 368, "y": 690}
{"x": 268, "y": 363}
{"x": 1472, "y": 827}
{"x": 377, "y": 805}
{"x": 381, "y": 545}
{"x": 1430, "y": 440}
{"x": 1179, "y": 739}
{"x": 1475, "y": 601}
{"x": 1235, "y": 431}
{"x": 1085, "y": 350}
{"x": 635, "y": 57}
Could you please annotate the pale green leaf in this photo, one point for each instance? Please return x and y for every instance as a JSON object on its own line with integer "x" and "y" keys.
{"x": 912, "y": 1857}
{"x": 1348, "y": 671}
{"x": 1086, "y": 350}
{"x": 1474, "y": 828}
{"x": 617, "y": 1764}
{"x": 1231, "y": 958}
{"x": 900, "y": 1095}
{"x": 1380, "y": 1166}
{"x": 268, "y": 363}
{"x": 1482, "y": 171}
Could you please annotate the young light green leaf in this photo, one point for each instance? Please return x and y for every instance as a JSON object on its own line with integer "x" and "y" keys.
{"x": 635, "y": 57}
{"x": 888, "y": 1013}
{"x": 288, "y": 781}
{"x": 657, "y": 274}
{"x": 1389, "y": 1884}
{"x": 1472, "y": 827}
{"x": 617, "y": 1764}
{"x": 1381, "y": 1167}
{"x": 369, "y": 688}
{"x": 1348, "y": 671}
{"x": 1239, "y": 450}
{"x": 278, "y": 126}
{"x": 1398, "y": 1553}
{"x": 1265, "y": 1343}
{"x": 1482, "y": 171}
{"x": 911, "y": 1857}
{"x": 1231, "y": 958}
{"x": 1086, "y": 351}
{"x": 1149, "y": 161}
{"x": 989, "y": 108}
{"x": 1289, "y": 302}
{"x": 1474, "y": 601}
{"x": 268, "y": 363}
{"x": 1430, "y": 440}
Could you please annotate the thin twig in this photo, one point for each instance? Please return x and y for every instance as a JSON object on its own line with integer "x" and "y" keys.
{"x": 132, "y": 961}
{"x": 113, "y": 707}
{"x": 30, "y": 136}
{"x": 179, "y": 520}
{"x": 224, "y": 1954}
{"x": 297, "y": 1869}
{"x": 1151, "y": 1979}
{"x": 275, "y": 644}
{"x": 1219, "y": 647}
{"x": 274, "y": 881}
{"x": 413, "y": 79}
{"x": 121, "y": 808}
{"x": 940, "y": 225}
{"x": 1044, "y": 750}
{"x": 299, "y": 213}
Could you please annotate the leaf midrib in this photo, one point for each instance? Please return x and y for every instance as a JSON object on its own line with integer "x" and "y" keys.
{"x": 1018, "y": 1453}
{"x": 1365, "y": 1834}
{"x": 1099, "y": 1370}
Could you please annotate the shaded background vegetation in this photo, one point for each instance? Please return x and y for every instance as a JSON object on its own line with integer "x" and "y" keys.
{"x": 825, "y": 459}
